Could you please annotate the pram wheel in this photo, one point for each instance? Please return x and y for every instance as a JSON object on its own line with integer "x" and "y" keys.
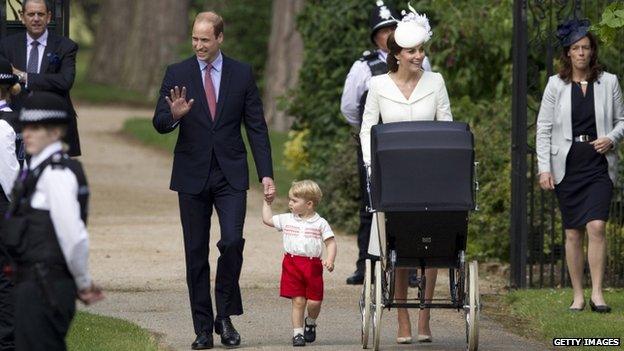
{"x": 378, "y": 303}
{"x": 366, "y": 302}
{"x": 473, "y": 307}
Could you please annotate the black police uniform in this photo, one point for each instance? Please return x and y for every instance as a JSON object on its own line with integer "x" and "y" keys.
{"x": 45, "y": 291}
{"x": 6, "y": 285}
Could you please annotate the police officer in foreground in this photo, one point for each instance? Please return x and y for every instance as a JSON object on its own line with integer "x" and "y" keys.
{"x": 383, "y": 20}
{"x": 50, "y": 254}
{"x": 9, "y": 168}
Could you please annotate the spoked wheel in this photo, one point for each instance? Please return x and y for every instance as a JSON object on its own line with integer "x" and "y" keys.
{"x": 378, "y": 307}
{"x": 460, "y": 276}
{"x": 473, "y": 307}
{"x": 366, "y": 303}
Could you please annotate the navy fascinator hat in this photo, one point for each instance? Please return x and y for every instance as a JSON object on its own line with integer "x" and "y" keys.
{"x": 572, "y": 31}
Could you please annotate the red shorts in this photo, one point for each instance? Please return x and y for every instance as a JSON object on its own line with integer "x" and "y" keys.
{"x": 302, "y": 276}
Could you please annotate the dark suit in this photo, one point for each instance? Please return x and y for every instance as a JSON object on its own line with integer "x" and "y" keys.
{"x": 57, "y": 73}
{"x": 210, "y": 169}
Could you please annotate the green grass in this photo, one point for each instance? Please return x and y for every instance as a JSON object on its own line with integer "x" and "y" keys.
{"x": 543, "y": 314}
{"x": 142, "y": 130}
{"x": 99, "y": 93}
{"x": 93, "y": 332}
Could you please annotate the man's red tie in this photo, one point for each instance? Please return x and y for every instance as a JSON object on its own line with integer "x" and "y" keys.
{"x": 211, "y": 97}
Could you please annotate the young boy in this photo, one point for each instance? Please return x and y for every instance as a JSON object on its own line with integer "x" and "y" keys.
{"x": 302, "y": 268}
{"x": 50, "y": 253}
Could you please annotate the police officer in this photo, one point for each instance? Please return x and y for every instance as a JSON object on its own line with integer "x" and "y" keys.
{"x": 50, "y": 254}
{"x": 9, "y": 167}
{"x": 383, "y": 19}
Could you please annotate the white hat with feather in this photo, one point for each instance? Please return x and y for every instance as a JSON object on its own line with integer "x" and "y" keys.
{"x": 413, "y": 29}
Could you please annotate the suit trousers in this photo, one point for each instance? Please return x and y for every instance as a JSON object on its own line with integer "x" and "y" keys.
{"x": 195, "y": 214}
{"x": 366, "y": 218}
{"x": 39, "y": 326}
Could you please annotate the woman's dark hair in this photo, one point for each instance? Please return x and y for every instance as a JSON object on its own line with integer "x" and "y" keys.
{"x": 595, "y": 68}
{"x": 394, "y": 49}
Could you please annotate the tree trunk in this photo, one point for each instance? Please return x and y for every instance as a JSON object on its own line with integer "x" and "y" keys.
{"x": 135, "y": 40}
{"x": 285, "y": 59}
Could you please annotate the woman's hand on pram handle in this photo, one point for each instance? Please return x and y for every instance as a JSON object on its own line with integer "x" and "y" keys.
{"x": 329, "y": 265}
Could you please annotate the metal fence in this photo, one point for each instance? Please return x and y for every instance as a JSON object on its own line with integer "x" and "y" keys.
{"x": 537, "y": 236}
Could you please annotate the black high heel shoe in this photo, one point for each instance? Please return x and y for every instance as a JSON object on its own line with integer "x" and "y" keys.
{"x": 574, "y": 309}
{"x": 600, "y": 308}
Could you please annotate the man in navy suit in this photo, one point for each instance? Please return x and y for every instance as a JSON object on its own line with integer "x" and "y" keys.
{"x": 43, "y": 61}
{"x": 209, "y": 96}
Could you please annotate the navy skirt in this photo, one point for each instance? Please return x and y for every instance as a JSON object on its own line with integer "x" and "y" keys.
{"x": 585, "y": 192}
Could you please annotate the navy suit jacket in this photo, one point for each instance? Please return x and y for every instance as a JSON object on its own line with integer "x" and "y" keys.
{"x": 57, "y": 74}
{"x": 200, "y": 138}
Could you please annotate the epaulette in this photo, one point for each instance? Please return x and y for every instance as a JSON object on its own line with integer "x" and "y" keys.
{"x": 59, "y": 160}
{"x": 368, "y": 55}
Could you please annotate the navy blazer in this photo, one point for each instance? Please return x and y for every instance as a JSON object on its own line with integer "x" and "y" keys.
{"x": 199, "y": 137}
{"x": 57, "y": 74}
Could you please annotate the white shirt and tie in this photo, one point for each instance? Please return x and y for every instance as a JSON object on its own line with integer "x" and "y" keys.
{"x": 42, "y": 42}
{"x": 215, "y": 72}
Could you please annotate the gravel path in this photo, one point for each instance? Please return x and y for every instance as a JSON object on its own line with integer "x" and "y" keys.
{"x": 137, "y": 256}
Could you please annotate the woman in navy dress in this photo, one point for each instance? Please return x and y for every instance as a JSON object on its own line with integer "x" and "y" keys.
{"x": 579, "y": 123}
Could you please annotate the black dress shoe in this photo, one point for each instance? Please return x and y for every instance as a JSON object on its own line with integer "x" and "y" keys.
{"x": 229, "y": 335}
{"x": 574, "y": 309}
{"x": 309, "y": 331}
{"x": 357, "y": 278}
{"x": 203, "y": 342}
{"x": 299, "y": 340}
{"x": 599, "y": 308}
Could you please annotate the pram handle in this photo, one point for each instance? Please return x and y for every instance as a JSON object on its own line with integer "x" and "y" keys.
{"x": 369, "y": 207}
{"x": 476, "y": 185}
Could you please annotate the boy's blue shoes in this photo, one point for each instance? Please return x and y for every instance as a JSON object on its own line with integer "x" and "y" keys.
{"x": 299, "y": 340}
{"x": 309, "y": 331}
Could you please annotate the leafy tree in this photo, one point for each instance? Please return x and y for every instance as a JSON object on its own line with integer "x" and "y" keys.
{"x": 611, "y": 22}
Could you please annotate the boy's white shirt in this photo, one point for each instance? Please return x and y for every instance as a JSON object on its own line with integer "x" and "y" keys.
{"x": 57, "y": 192}
{"x": 303, "y": 237}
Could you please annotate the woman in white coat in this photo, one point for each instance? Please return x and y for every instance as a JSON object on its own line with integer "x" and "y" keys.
{"x": 406, "y": 93}
{"x": 579, "y": 124}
